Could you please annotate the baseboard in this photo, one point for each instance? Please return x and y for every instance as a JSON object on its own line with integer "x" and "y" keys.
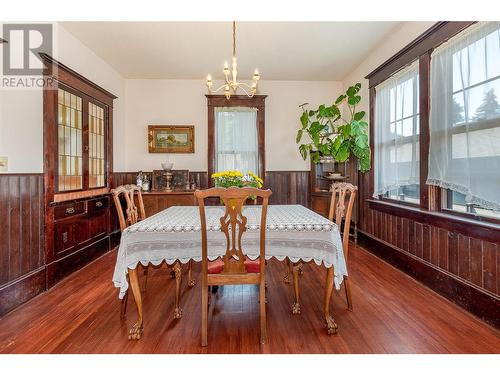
{"x": 22, "y": 289}
{"x": 482, "y": 304}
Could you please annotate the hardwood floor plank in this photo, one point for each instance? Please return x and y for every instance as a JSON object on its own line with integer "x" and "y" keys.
{"x": 392, "y": 314}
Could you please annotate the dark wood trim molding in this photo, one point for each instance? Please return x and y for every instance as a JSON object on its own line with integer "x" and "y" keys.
{"x": 455, "y": 224}
{"x": 62, "y": 73}
{"x": 430, "y": 39}
{"x": 257, "y": 101}
{"x": 477, "y": 301}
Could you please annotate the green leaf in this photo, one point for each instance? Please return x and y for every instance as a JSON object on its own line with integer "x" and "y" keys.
{"x": 303, "y": 151}
{"x": 315, "y": 128}
{"x": 342, "y": 153}
{"x": 304, "y": 119}
{"x": 299, "y": 136}
{"x": 362, "y": 141}
{"x": 315, "y": 157}
{"x": 359, "y": 115}
{"x": 311, "y": 113}
{"x": 346, "y": 130}
{"x": 351, "y": 100}
{"x": 340, "y": 98}
{"x": 337, "y": 142}
{"x": 351, "y": 91}
{"x": 363, "y": 124}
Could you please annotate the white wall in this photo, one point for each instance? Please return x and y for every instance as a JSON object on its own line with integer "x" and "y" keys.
{"x": 21, "y": 111}
{"x": 183, "y": 102}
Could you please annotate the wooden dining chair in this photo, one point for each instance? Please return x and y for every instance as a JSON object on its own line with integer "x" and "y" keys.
{"x": 341, "y": 215}
{"x": 135, "y": 214}
{"x": 236, "y": 268}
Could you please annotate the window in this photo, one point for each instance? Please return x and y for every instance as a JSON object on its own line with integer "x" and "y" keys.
{"x": 397, "y": 119}
{"x": 236, "y": 134}
{"x": 236, "y": 146}
{"x": 464, "y": 154}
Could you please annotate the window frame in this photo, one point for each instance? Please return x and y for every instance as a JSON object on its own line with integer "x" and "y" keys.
{"x": 406, "y": 139}
{"x": 432, "y": 198}
{"x": 257, "y": 101}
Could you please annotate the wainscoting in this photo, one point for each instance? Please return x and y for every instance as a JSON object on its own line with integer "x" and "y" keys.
{"x": 22, "y": 255}
{"x": 457, "y": 259}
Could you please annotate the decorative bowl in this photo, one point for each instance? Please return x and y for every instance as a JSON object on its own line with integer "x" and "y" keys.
{"x": 167, "y": 166}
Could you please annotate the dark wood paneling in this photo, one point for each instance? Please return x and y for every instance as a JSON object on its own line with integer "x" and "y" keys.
{"x": 21, "y": 237}
{"x": 288, "y": 187}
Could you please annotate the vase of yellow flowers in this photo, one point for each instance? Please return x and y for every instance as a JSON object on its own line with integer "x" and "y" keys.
{"x": 227, "y": 179}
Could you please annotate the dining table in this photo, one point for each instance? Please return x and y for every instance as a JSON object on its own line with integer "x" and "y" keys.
{"x": 293, "y": 233}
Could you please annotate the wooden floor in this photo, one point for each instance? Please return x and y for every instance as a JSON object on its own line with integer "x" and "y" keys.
{"x": 392, "y": 314}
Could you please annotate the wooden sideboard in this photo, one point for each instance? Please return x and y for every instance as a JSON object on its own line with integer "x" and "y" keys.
{"x": 156, "y": 201}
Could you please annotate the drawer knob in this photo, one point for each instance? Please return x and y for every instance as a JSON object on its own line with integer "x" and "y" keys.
{"x": 98, "y": 204}
{"x": 70, "y": 210}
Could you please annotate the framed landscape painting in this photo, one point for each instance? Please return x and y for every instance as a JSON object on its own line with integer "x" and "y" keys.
{"x": 171, "y": 138}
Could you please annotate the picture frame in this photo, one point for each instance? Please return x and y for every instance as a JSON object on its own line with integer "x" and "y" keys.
{"x": 171, "y": 139}
{"x": 179, "y": 180}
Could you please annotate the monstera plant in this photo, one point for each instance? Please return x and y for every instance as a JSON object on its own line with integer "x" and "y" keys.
{"x": 330, "y": 134}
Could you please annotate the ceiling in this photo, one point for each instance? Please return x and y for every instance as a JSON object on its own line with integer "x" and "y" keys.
{"x": 303, "y": 51}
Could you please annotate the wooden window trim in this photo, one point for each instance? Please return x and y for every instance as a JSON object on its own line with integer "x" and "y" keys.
{"x": 257, "y": 101}
{"x": 420, "y": 49}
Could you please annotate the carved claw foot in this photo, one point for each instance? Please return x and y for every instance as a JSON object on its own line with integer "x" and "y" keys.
{"x": 331, "y": 326}
{"x": 177, "y": 313}
{"x": 135, "y": 332}
{"x": 296, "y": 308}
{"x": 191, "y": 283}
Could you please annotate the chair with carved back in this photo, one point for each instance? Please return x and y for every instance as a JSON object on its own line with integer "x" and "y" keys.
{"x": 135, "y": 213}
{"x": 341, "y": 215}
{"x": 236, "y": 268}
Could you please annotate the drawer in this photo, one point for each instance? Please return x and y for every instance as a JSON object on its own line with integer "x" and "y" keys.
{"x": 68, "y": 210}
{"x": 97, "y": 205}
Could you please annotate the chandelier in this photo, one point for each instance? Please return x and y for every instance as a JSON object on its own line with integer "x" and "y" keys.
{"x": 231, "y": 84}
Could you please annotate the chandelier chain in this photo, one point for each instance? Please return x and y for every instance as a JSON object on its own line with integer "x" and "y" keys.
{"x": 234, "y": 38}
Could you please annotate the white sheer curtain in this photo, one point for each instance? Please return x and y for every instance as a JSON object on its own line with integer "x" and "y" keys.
{"x": 396, "y": 154}
{"x": 236, "y": 140}
{"x": 465, "y": 115}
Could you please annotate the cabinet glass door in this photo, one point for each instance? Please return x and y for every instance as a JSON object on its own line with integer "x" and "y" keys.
{"x": 69, "y": 141}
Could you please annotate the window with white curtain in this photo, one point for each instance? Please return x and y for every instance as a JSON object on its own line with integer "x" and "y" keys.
{"x": 236, "y": 139}
{"x": 396, "y": 154}
{"x": 464, "y": 155}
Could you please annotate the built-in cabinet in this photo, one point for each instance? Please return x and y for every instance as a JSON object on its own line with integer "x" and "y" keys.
{"x": 77, "y": 170}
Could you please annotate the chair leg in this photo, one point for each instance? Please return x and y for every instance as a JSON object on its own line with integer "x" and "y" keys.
{"x": 191, "y": 281}
{"x": 209, "y": 295}
{"x": 123, "y": 307}
{"x": 296, "y": 304}
{"x": 145, "y": 278}
{"x": 348, "y": 296}
{"x": 178, "y": 280}
{"x": 204, "y": 315}
{"x": 263, "y": 324}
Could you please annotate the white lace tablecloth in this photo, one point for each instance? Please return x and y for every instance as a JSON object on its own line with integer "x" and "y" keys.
{"x": 293, "y": 232}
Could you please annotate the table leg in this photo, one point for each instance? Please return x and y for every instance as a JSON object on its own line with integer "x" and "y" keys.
{"x": 286, "y": 278}
{"x": 331, "y": 326}
{"x": 136, "y": 331}
{"x": 178, "y": 279}
{"x": 296, "y": 304}
{"x": 191, "y": 281}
